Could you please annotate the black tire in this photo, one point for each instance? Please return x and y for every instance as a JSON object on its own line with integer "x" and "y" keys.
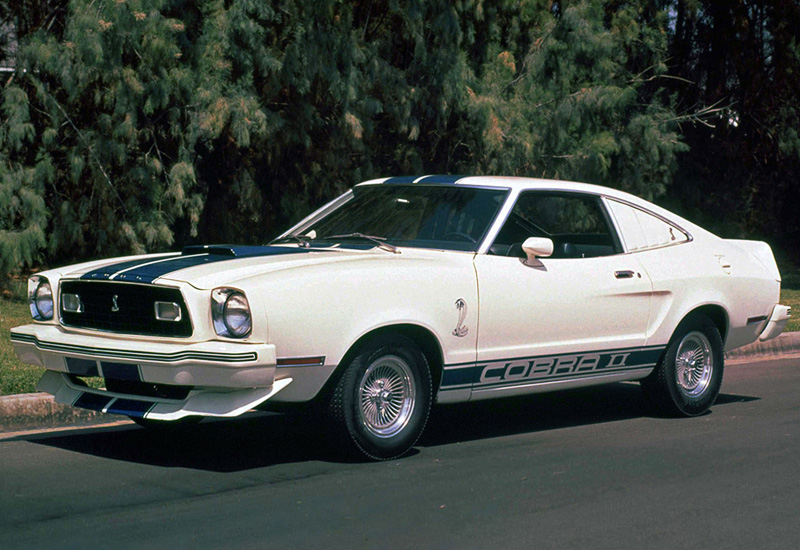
{"x": 688, "y": 377}
{"x": 380, "y": 405}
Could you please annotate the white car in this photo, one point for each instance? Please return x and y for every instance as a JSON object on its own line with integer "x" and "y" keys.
{"x": 404, "y": 292}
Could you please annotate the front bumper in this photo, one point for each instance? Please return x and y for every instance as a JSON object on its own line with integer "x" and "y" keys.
{"x": 222, "y": 378}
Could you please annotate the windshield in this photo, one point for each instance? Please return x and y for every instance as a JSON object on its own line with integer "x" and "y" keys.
{"x": 440, "y": 217}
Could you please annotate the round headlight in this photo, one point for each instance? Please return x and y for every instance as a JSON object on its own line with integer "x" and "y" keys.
{"x": 236, "y": 315}
{"x": 42, "y": 301}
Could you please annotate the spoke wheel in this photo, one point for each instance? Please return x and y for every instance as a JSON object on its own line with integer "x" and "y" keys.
{"x": 386, "y": 396}
{"x": 694, "y": 364}
{"x": 687, "y": 379}
{"x": 380, "y": 405}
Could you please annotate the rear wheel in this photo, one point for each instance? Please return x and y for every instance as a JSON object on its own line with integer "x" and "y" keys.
{"x": 381, "y": 404}
{"x": 688, "y": 378}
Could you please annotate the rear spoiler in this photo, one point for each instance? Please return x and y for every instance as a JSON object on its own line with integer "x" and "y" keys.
{"x": 762, "y": 252}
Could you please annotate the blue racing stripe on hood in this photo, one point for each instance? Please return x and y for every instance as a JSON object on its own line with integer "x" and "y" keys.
{"x": 147, "y": 271}
{"x": 104, "y": 273}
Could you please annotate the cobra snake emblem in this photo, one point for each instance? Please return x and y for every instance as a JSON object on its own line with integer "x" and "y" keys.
{"x": 460, "y": 329}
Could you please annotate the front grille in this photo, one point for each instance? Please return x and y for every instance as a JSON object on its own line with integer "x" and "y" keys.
{"x": 125, "y": 308}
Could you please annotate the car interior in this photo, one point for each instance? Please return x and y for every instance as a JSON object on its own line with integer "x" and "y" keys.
{"x": 581, "y": 230}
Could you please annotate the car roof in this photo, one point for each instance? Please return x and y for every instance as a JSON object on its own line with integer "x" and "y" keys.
{"x": 517, "y": 184}
{"x": 506, "y": 182}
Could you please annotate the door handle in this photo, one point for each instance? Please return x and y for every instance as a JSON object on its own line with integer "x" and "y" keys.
{"x": 623, "y": 274}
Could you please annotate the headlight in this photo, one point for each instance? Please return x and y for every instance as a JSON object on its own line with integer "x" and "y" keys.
{"x": 230, "y": 313}
{"x": 40, "y": 298}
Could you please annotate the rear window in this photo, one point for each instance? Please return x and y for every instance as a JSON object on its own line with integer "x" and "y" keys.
{"x": 643, "y": 231}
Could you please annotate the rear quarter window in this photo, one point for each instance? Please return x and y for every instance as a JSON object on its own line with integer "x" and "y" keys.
{"x": 641, "y": 230}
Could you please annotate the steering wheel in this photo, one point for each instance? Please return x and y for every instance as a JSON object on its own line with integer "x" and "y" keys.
{"x": 461, "y": 236}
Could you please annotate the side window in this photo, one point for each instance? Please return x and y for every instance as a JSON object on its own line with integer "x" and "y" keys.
{"x": 643, "y": 231}
{"x": 575, "y": 223}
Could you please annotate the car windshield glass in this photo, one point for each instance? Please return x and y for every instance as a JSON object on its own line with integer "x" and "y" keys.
{"x": 440, "y": 217}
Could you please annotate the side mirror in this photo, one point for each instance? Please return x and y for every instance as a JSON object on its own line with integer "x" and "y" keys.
{"x": 537, "y": 247}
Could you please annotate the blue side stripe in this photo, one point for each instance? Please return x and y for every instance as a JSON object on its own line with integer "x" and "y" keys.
{"x": 469, "y": 374}
{"x": 459, "y": 377}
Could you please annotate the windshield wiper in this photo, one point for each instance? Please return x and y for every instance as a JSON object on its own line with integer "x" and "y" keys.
{"x": 300, "y": 240}
{"x": 380, "y": 241}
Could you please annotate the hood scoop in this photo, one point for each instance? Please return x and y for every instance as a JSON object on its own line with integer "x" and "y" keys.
{"x": 217, "y": 249}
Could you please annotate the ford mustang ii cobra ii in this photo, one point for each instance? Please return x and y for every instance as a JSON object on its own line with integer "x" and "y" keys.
{"x": 404, "y": 292}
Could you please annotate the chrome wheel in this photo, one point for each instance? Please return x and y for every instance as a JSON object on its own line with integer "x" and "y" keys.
{"x": 386, "y": 396}
{"x": 380, "y": 404}
{"x": 687, "y": 379}
{"x": 694, "y": 364}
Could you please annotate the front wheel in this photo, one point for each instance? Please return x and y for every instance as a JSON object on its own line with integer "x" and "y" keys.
{"x": 381, "y": 403}
{"x": 688, "y": 378}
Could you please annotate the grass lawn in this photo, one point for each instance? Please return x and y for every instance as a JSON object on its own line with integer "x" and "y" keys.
{"x": 17, "y": 377}
{"x": 792, "y": 298}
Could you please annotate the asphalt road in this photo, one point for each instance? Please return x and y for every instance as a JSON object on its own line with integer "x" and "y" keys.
{"x": 578, "y": 469}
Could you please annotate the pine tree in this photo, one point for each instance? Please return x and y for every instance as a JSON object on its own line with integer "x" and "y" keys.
{"x": 147, "y": 124}
{"x": 740, "y": 177}
{"x": 96, "y": 131}
{"x": 580, "y": 103}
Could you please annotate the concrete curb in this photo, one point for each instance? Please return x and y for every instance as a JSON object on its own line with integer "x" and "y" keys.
{"x": 39, "y": 411}
{"x": 34, "y": 411}
{"x": 783, "y": 346}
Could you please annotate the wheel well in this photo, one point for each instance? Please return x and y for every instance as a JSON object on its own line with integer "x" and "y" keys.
{"x": 427, "y": 342}
{"x": 718, "y": 316}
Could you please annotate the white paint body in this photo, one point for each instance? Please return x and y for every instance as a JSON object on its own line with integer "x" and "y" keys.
{"x": 321, "y": 303}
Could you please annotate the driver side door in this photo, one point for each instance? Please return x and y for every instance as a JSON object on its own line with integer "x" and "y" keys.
{"x": 580, "y": 313}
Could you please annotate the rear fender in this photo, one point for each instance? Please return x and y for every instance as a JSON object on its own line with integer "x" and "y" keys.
{"x": 761, "y": 251}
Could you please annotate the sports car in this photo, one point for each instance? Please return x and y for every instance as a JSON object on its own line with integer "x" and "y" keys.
{"x": 403, "y": 293}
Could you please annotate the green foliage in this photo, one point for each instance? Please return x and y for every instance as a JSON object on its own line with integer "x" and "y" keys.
{"x": 15, "y": 376}
{"x": 740, "y": 177}
{"x": 145, "y": 124}
{"x": 580, "y": 107}
{"x": 107, "y": 133}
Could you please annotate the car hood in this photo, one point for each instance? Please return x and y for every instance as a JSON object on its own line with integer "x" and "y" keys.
{"x": 210, "y": 267}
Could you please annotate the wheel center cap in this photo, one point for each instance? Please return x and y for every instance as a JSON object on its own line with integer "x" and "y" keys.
{"x": 381, "y": 397}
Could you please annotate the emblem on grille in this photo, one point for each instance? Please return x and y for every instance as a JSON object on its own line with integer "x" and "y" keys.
{"x": 114, "y": 305}
{"x": 461, "y": 330}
